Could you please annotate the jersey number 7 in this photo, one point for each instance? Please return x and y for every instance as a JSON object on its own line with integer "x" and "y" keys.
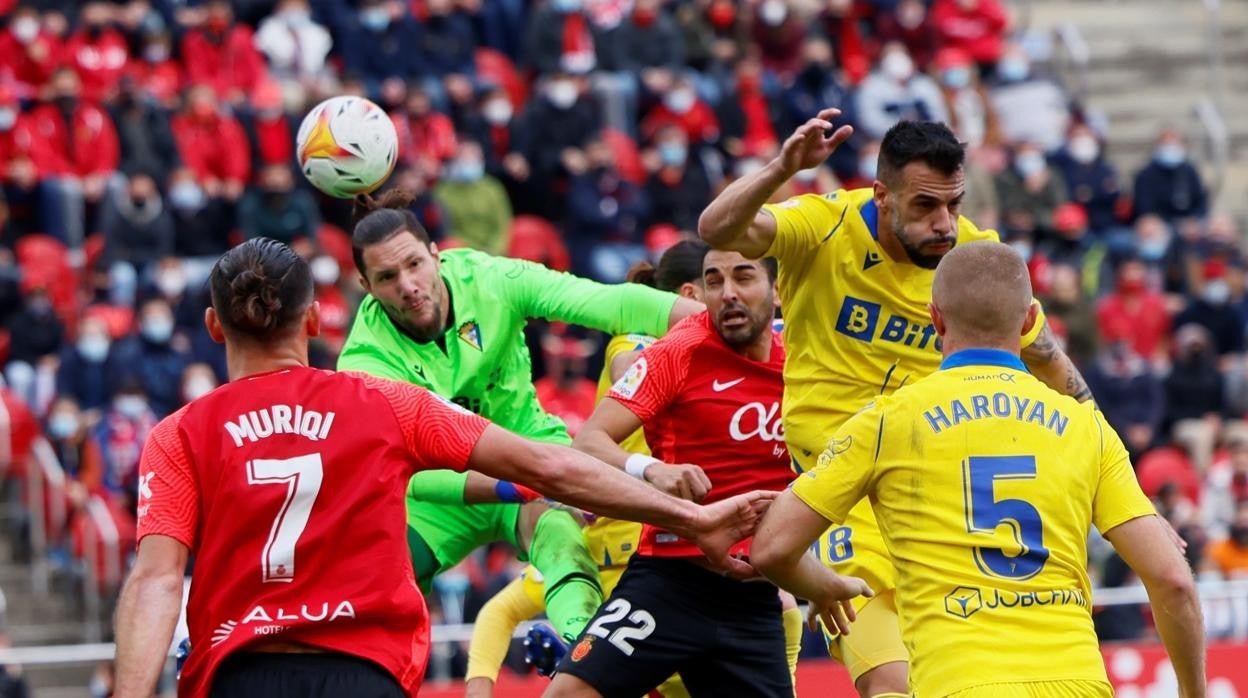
{"x": 985, "y": 514}
{"x": 301, "y": 476}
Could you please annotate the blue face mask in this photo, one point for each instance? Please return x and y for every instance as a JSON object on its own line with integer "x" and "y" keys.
{"x": 672, "y": 154}
{"x": 565, "y": 6}
{"x": 467, "y": 171}
{"x": 1170, "y": 155}
{"x": 957, "y": 78}
{"x": 1012, "y": 69}
{"x": 376, "y": 19}
{"x": 186, "y": 196}
{"x": 1154, "y": 250}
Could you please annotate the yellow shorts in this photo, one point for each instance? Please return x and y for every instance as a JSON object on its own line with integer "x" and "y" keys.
{"x": 1039, "y": 689}
{"x": 873, "y": 640}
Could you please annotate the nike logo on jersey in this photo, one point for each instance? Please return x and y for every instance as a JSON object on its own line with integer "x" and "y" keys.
{"x": 873, "y": 258}
{"x": 721, "y": 387}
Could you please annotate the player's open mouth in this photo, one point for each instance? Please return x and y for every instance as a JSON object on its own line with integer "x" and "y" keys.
{"x": 733, "y": 318}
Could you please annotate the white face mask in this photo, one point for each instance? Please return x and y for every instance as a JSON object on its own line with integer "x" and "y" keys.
{"x": 131, "y": 406}
{"x": 324, "y": 270}
{"x": 562, "y": 93}
{"x": 1083, "y": 149}
{"x": 25, "y": 29}
{"x": 1216, "y": 292}
{"x": 680, "y": 100}
{"x": 773, "y": 12}
{"x": 498, "y": 112}
{"x": 8, "y": 117}
{"x": 897, "y": 66}
{"x": 93, "y": 347}
{"x": 171, "y": 283}
{"x": 198, "y": 387}
{"x": 157, "y": 330}
{"x": 1029, "y": 164}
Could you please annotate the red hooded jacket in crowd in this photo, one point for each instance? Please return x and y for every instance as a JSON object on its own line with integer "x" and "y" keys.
{"x": 27, "y": 67}
{"x": 978, "y": 29}
{"x": 90, "y": 148}
{"x": 99, "y": 61}
{"x": 213, "y": 146}
{"x": 164, "y": 80}
{"x": 428, "y": 137}
{"x": 228, "y": 60}
{"x": 699, "y": 123}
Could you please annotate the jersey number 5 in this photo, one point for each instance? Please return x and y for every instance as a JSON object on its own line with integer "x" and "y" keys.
{"x": 985, "y": 514}
{"x": 301, "y": 476}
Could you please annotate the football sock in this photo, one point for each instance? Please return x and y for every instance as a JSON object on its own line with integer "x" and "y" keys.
{"x": 793, "y": 623}
{"x": 573, "y": 591}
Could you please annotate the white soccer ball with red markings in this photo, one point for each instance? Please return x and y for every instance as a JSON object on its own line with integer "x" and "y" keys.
{"x": 347, "y": 146}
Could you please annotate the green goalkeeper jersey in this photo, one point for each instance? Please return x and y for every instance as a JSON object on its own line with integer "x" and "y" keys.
{"x": 486, "y": 366}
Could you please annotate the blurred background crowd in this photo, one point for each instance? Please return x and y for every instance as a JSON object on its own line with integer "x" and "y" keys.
{"x": 140, "y": 139}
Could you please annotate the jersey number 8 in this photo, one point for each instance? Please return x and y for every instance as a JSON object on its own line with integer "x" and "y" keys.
{"x": 301, "y": 476}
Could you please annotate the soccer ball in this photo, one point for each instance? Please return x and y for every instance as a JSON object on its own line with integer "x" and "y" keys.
{"x": 347, "y": 146}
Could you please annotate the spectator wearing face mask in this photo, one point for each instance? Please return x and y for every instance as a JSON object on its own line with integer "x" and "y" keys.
{"x": 969, "y": 116}
{"x": 143, "y": 133}
{"x": 97, "y": 51}
{"x": 977, "y": 27}
{"x": 197, "y": 381}
{"x": 907, "y": 23}
{"x": 646, "y": 49}
{"x": 1169, "y": 185}
{"x": 379, "y": 48}
{"x": 1226, "y": 487}
{"x": 73, "y": 145}
{"x": 138, "y": 231}
{"x": 423, "y": 205}
{"x": 156, "y": 357}
{"x": 35, "y": 336}
{"x": 86, "y": 373}
{"x": 28, "y": 52}
{"x": 1066, "y": 304}
{"x": 895, "y": 91}
{"x": 1212, "y": 310}
{"x": 777, "y": 33}
{"x": 169, "y": 281}
{"x": 1029, "y": 108}
{"x": 202, "y": 224}
{"x": 1072, "y": 245}
{"x": 1194, "y": 395}
{"x": 154, "y": 71}
{"x": 1166, "y": 255}
{"x": 426, "y": 137}
{"x": 270, "y": 131}
{"x": 447, "y": 44}
{"x": 819, "y": 83}
{"x": 66, "y": 430}
{"x": 1230, "y": 555}
{"x": 490, "y": 125}
{"x": 554, "y": 127}
{"x": 222, "y": 54}
{"x": 18, "y": 175}
{"x": 680, "y": 107}
{"x": 478, "y": 213}
{"x": 1091, "y": 181}
{"x": 335, "y": 310}
{"x": 276, "y": 209}
{"x": 565, "y": 391}
{"x": 604, "y": 218}
{"x": 1129, "y": 394}
{"x": 679, "y": 186}
{"x": 560, "y": 39}
{"x": 1029, "y": 192}
{"x": 1134, "y": 313}
{"x": 119, "y": 436}
{"x": 213, "y": 145}
{"x": 295, "y": 46}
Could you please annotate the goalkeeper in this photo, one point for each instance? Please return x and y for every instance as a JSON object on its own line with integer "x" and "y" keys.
{"x": 453, "y": 322}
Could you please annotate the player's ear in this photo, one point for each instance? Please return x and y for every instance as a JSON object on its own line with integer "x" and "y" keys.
{"x": 368, "y": 288}
{"x": 312, "y": 319}
{"x": 879, "y": 192}
{"x": 938, "y": 320}
{"x": 213, "y": 324}
{"x": 690, "y": 290}
{"x": 1033, "y": 314}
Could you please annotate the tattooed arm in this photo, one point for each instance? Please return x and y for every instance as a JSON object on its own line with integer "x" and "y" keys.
{"x": 1046, "y": 361}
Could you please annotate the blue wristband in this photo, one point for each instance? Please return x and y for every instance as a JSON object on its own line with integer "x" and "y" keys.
{"x": 508, "y": 493}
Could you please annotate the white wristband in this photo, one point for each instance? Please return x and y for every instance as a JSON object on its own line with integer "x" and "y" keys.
{"x": 637, "y": 463}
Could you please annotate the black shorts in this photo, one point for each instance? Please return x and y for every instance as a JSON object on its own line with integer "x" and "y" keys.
{"x": 330, "y": 675}
{"x": 668, "y": 616}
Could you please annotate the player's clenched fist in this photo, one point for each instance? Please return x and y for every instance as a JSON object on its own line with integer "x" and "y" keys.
{"x": 836, "y": 608}
{"x": 686, "y": 481}
{"x": 810, "y": 145}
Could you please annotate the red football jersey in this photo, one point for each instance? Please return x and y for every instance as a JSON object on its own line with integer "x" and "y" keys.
{"x": 705, "y": 404}
{"x": 288, "y": 488}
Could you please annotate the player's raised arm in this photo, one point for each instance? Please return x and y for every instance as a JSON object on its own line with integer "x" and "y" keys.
{"x": 610, "y": 424}
{"x": 735, "y": 219}
{"x": 1145, "y": 546}
{"x": 1046, "y": 360}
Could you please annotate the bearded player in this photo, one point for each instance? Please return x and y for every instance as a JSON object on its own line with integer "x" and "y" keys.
{"x": 453, "y": 322}
{"x": 856, "y": 271}
{"x": 706, "y": 394}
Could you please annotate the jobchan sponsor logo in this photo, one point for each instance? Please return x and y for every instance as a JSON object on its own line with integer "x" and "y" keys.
{"x": 965, "y": 602}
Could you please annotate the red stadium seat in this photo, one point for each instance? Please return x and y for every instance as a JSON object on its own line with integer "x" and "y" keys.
{"x": 44, "y": 261}
{"x": 495, "y": 67}
{"x": 535, "y": 239}
{"x": 627, "y": 155}
{"x": 1168, "y": 464}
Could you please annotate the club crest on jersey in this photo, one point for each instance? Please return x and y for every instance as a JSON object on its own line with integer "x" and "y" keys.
{"x": 632, "y": 379}
{"x": 582, "y": 648}
{"x": 835, "y": 448}
{"x": 471, "y": 332}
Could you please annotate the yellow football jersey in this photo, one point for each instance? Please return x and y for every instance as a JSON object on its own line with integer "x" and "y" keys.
{"x": 612, "y": 542}
{"x": 856, "y": 327}
{"x": 985, "y": 483}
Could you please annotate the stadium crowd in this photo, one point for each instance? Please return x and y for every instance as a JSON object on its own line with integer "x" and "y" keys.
{"x": 139, "y": 140}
